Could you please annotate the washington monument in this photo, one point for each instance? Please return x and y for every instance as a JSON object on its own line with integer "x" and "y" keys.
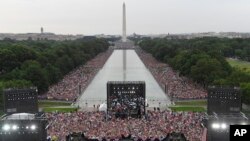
{"x": 124, "y": 37}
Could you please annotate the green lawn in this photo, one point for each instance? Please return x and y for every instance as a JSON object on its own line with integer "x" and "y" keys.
{"x": 243, "y": 65}
{"x": 56, "y": 106}
{"x": 58, "y": 109}
{"x": 52, "y": 103}
{"x": 192, "y": 103}
{"x": 187, "y": 108}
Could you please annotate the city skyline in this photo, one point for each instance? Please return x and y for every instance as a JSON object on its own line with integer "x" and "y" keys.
{"x": 90, "y": 17}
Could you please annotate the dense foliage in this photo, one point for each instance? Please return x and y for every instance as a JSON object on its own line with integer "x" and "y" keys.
{"x": 42, "y": 63}
{"x": 203, "y": 59}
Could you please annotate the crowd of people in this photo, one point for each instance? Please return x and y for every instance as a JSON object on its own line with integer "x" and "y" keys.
{"x": 71, "y": 86}
{"x": 75, "y": 82}
{"x": 154, "y": 125}
{"x": 126, "y": 104}
{"x": 98, "y": 125}
{"x": 176, "y": 87}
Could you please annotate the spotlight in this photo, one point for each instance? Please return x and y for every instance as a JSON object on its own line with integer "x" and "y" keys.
{"x": 223, "y": 126}
{"x": 32, "y": 127}
{"x": 243, "y": 123}
{"x": 14, "y": 127}
{"x": 215, "y": 126}
{"x": 6, "y": 127}
{"x": 27, "y": 127}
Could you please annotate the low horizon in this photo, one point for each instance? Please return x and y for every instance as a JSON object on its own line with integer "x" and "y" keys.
{"x": 121, "y": 35}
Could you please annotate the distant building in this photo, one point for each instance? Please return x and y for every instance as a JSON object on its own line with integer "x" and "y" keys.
{"x": 39, "y": 36}
{"x": 41, "y": 30}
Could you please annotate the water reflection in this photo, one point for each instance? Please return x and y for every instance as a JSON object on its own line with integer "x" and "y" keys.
{"x": 114, "y": 70}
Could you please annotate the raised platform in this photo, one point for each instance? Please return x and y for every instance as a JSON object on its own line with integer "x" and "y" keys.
{"x": 24, "y": 126}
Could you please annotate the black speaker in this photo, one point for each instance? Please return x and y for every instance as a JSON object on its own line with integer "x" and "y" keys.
{"x": 223, "y": 100}
{"x": 20, "y": 101}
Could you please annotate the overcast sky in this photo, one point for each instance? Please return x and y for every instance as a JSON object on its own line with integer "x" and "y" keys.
{"x": 105, "y": 16}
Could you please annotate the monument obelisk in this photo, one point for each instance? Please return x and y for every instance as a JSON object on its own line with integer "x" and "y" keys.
{"x": 124, "y": 37}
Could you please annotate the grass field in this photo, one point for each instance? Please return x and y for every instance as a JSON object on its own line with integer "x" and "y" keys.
{"x": 52, "y": 103}
{"x": 193, "y": 105}
{"x": 243, "y": 65}
{"x": 60, "y": 109}
{"x": 187, "y": 108}
{"x": 56, "y": 106}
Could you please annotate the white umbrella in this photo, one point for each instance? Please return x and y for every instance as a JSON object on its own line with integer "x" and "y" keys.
{"x": 103, "y": 107}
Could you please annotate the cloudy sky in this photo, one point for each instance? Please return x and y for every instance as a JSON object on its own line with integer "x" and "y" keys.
{"x": 105, "y": 16}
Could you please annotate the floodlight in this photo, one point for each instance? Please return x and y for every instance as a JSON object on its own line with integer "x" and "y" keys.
{"x": 243, "y": 123}
{"x": 223, "y": 126}
{"x": 6, "y": 127}
{"x": 33, "y": 127}
{"x": 14, "y": 127}
{"x": 215, "y": 125}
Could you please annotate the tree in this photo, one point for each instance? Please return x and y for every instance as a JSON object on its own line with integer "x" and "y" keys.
{"x": 44, "y": 62}
{"x": 32, "y": 71}
{"x": 53, "y": 73}
{"x": 65, "y": 64}
{"x": 245, "y": 87}
{"x": 238, "y": 76}
{"x": 8, "y": 61}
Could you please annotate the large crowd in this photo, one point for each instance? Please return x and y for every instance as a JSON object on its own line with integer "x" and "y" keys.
{"x": 126, "y": 104}
{"x": 71, "y": 86}
{"x": 176, "y": 86}
{"x": 74, "y": 83}
{"x": 98, "y": 125}
{"x": 154, "y": 125}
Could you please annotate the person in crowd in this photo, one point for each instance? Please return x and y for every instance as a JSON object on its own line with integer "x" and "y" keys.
{"x": 157, "y": 125}
{"x": 70, "y": 87}
{"x": 176, "y": 87}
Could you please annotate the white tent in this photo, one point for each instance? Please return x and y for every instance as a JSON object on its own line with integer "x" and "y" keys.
{"x": 103, "y": 107}
{"x": 21, "y": 116}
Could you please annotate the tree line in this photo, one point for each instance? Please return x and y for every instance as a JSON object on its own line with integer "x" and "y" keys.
{"x": 204, "y": 59}
{"x": 44, "y": 62}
